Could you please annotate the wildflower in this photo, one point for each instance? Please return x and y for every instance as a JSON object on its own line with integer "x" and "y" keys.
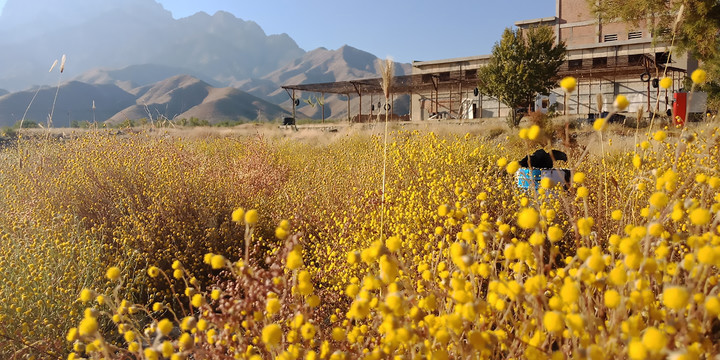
{"x": 616, "y": 215}
{"x": 612, "y": 299}
{"x": 217, "y": 262}
{"x": 251, "y": 217}
{"x": 393, "y": 243}
{"x": 579, "y": 177}
{"x": 215, "y": 294}
{"x": 533, "y": 132}
{"x": 660, "y": 135}
{"x": 621, "y": 102}
{"x": 86, "y": 295}
{"x": 113, "y": 273}
{"x": 665, "y": 83}
{"x": 294, "y": 258}
{"x": 698, "y": 76}
{"x": 238, "y": 215}
{"x": 700, "y": 216}
{"x": 675, "y": 297}
{"x": 553, "y": 322}
{"x": 528, "y": 218}
{"x": 307, "y": 331}
{"x": 654, "y": 340}
{"x": 712, "y": 306}
{"x": 636, "y": 350}
{"x": 659, "y": 200}
{"x": 88, "y": 326}
{"x": 271, "y": 335}
{"x": 554, "y": 234}
{"x": 153, "y": 271}
{"x": 568, "y": 84}
{"x": 197, "y": 300}
{"x": 72, "y": 335}
{"x": 512, "y": 167}
{"x": 164, "y": 327}
{"x": 150, "y": 354}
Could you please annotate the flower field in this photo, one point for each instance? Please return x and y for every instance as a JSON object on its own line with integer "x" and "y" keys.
{"x": 152, "y": 246}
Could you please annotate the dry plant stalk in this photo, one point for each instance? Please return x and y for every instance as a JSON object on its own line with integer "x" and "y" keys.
{"x": 599, "y": 101}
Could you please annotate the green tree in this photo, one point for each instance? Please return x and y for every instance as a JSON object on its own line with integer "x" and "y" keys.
{"x": 523, "y": 64}
{"x": 690, "y": 25}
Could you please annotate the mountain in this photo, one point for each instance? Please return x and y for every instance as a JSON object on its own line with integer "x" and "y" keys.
{"x": 136, "y": 76}
{"x": 3, "y": 92}
{"x": 319, "y": 66}
{"x": 119, "y": 34}
{"x": 74, "y": 102}
{"x": 186, "y": 97}
{"x": 176, "y": 97}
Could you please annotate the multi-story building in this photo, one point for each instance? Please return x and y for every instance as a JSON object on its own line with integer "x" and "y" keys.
{"x": 607, "y": 58}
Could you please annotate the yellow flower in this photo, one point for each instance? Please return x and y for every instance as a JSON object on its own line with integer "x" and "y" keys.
{"x": 72, "y": 335}
{"x": 512, "y": 167}
{"x": 712, "y": 306}
{"x": 553, "y": 322}
{"x": 271, "y": 335}
{"x": 659, "y": 200}
{"x": 153, "y": 271}
{"x": 579, "y": 177}
{"x": 699, "y": 76}
{"x": 238, "y": 215}
{"x": 533, "y": 132}
{"x": 621, "y": 102}
{"x": 636, "y": 350}
{"x": 307, "y": 331}
{"x": 251, "y": 217}
{"x": 217, "y": 262}
{"x": 113, "y": 273}
{"x": 393, "y": 243}
{"x": 660, "y": 135}
{"x": 164, "y": 327}
{"x": 666, "y": 83}
{"x": 568, "y": 84}
{"x": 554, "y": 233}
{"x": 582, "y": 192}
{"x": 86, "y": 295}
{"x": 88, "y": 326}
{"x": 612, "y": 299}
{"x": 700, "y": 216}
{"x": 528, "y": 218}
{"x": 616, "y": 215}
{"x": 294, "y": 258}
{"x": 570, "y": 292}
{"x": 654, "y": 340}
{"x": 675, "y": 297}
{"x": 215, "y": 294}
{"x": 197, "y": 300}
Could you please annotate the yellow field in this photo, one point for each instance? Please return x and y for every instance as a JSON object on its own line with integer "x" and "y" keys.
{"x": 134, "y": 245}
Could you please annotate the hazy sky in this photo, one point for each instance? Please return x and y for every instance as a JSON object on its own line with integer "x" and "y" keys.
{"x": 403, "y": 30}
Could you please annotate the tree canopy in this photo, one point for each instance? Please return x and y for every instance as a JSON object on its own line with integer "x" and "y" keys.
{"x": 523, "y": 64}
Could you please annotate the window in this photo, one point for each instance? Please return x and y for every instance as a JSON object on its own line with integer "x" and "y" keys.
{"x": 599, "y": 62}
{"x": 426, "y": 78}
{"x": 445, "y": 76}
{"x": 471, "y": 74}
{"x": 610, "y": 37}
{"x": 662, "y": 58}
{"x": 575, "y": 64}
{"x": 635, "y": 35}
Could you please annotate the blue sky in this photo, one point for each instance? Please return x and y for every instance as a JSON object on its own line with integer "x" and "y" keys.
{"x": 403, "y": 30}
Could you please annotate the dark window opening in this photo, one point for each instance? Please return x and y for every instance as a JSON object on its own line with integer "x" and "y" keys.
{"x": 599, "y": 62}
{"x": 635, "y": 60}
{"x": 471, "y": 74}
{"x": 575, "y": 64}
{"x": 426, "y": 78}
{"x": 662, "y": 58}
{"x": 445, "y": 76}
